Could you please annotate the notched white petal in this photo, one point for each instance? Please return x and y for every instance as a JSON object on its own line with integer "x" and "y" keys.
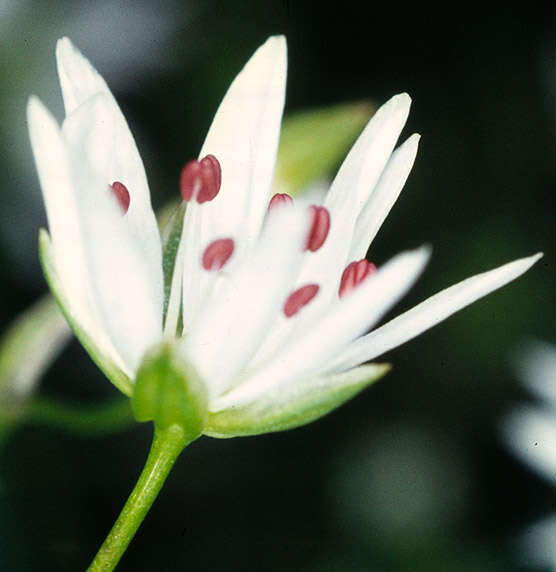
{"x": 383, "y": 197}
{"x": 366, "y": 160}
{"x": 431, "y": 312}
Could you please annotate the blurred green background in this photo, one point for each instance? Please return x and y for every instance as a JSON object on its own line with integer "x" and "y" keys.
{"x": 412, "y": 475}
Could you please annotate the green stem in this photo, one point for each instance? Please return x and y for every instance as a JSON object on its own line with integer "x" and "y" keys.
{"x": 165, "y": 449}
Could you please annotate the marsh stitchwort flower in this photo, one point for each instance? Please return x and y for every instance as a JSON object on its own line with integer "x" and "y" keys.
{"x": 269, "y": 300}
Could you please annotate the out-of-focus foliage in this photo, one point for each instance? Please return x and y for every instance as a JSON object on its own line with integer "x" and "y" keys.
{"x": 313, "y": 143}
{"x": 27, "y": 349}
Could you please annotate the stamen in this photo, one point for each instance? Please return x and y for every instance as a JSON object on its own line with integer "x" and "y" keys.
{"x": 280, "y": 199}
{"x": 201, "y": 180}
{"x": 354, "y": 274}
{"x": 217, "y": 253}
{"x": 299, "y": 298}
{"x": 122, "y": 194}
{"x": 319, "y": 228}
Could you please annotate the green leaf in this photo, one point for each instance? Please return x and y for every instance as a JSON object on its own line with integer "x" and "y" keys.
{"x": 27, "y": 349}
{"x": 313, "y": 143}
{"x": 169, "y": 392}
{"x": 295, "y": 405}
{"x": 104, "y": 362}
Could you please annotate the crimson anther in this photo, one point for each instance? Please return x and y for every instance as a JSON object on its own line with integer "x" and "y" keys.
{"x": 201, "y": 180}
{"x": 354, "y": 274}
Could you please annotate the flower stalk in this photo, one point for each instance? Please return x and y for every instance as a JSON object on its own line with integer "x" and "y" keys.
{"x": 166, "y": 447}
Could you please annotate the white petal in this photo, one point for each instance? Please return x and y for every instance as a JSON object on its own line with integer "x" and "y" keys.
{"x": 100, "y": 348}
{"x": 120, "y": 160}
{"x": 93, "y": 127}
{"x": 383, "y": 197}
{"x": 238, "y": 315}
{"x": 430, "y": 312}
{"x": 78, "y": 78}
{"x": 55, "y": 176}
{"x": 309, "y": 352}
{"x": 125, "y": 287}
{"x": 530, "y": 433}
{"x": 348, "y": 194}
{"x": 365, "y": 162}
{"x": 244, "y": 138}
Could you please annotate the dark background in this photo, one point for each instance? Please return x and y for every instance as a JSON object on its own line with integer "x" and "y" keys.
{"x": 412, "y": 474}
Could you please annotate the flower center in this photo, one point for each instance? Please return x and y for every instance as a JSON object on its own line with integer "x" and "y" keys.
{"x": 122, "y": 194}
{"x": 201, "y": 180}
{"x": 354, "y": 274}
{"x": 299, "y": 298}
{"x": 319, "y": 228}
{"x": 217, "y": 253}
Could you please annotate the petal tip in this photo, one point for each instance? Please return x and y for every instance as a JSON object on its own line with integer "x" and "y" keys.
{"x": 64, "y": 47}
{"x": 402, "y": 99}
{"x": 424, "y": 251}
{"x": 37, "y": 111}
{"x": 531, "y": 260}
{"x": 275, "y": 48}
{"x": 277, "y": 41}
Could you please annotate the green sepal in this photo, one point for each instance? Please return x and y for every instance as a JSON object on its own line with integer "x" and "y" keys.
{"x": 171, "y": 236}
{"x": 105, "y": 363}
{"x": 314, "y": 142}
{"x": 169, "y": 392}
{"x": 290, "y": 407}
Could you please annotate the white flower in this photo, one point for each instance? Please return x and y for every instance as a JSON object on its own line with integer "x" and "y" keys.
{"x": 530, "y": 433}
{"x": 271, "y": 318}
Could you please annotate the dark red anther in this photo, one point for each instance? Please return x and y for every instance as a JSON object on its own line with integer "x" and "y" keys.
{"x": 280, "y": 199}
{"x": 122, "y": 194}
{"x": 319, "y": 228}
{"x": 299, "y": 298}
{"x": 201, "y": 180}
{"x": 217, "y": 253}
{"x": 354, "y": 274}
